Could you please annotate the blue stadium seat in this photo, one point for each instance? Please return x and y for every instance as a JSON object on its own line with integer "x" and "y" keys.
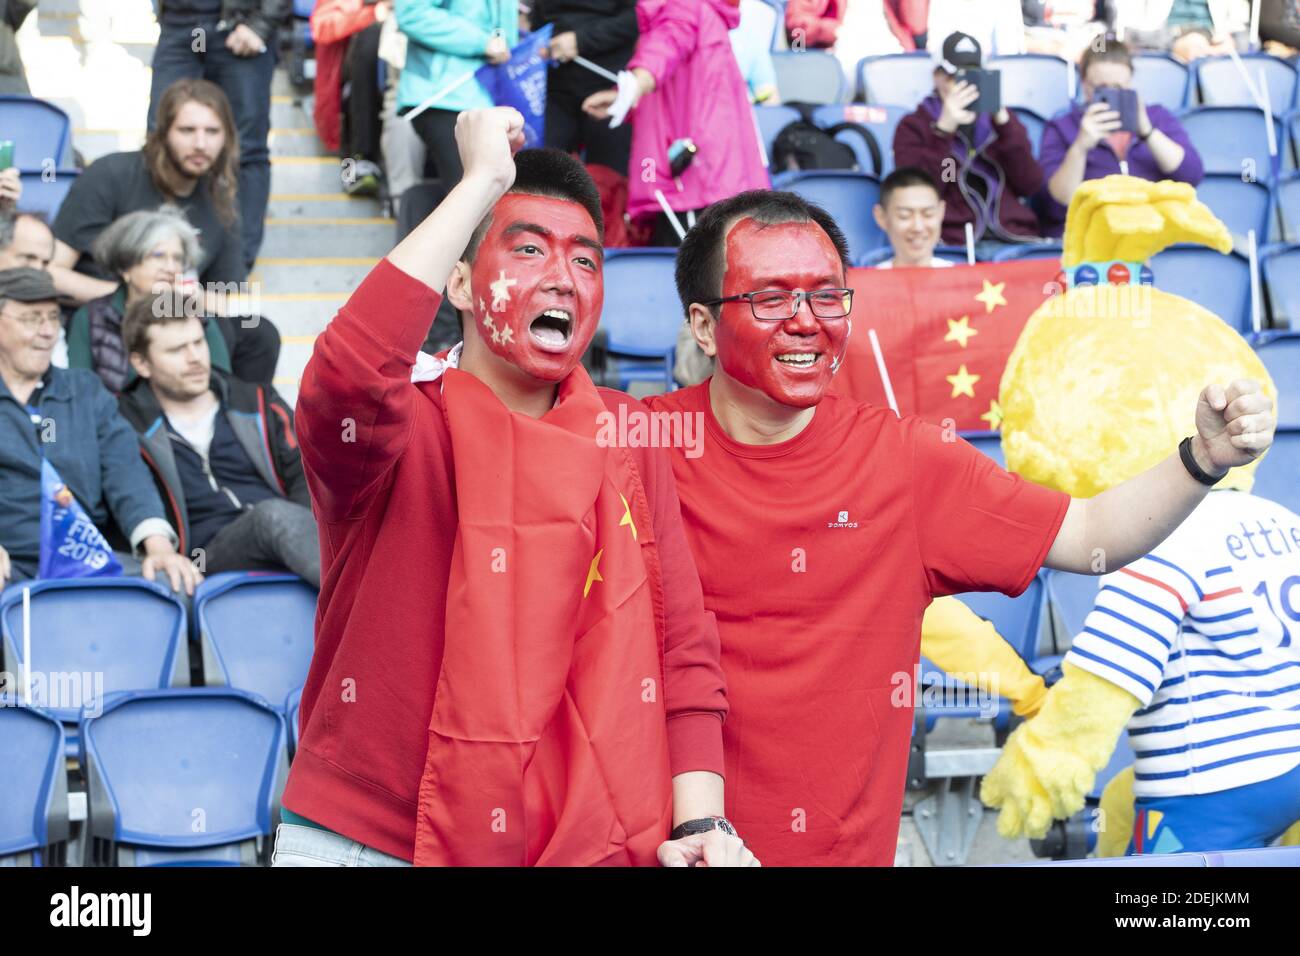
{"x": 881, "y": 121}
{"x": 1280, "y": 266}
{"x": 1287, "y": 195}
{"x": 808, "y": 76}
{"x": 291, "y": 704}
{"x": 849, "y": 197}
{"x": 41, "y": 133}
{"x": 1280, "y": 353}
{"x": 778, "y": 21}
{"x": 1277, "y": 477}
{"x": 1214, "y": 281}
{"x": 1038, "y": 82}
{"x": 183, "y": 778}
{"x": 1162, "y": 80}
{"x": 1240, "y": 204}
{"x": 990, "y": 443}
{"x": 770, "y": 121}
{"x": 642, "y": 313}
{"x": 34, "y": 803}
{"x": 1028, "y": 250}
{"x": 896, "y": 79}
{"x": 1220, "y": 83}
{"x": 256, "y": 631}
{"x": 1232, "y": 139}
{"x": 1033, "y": 124}
{"x": 45, "y": 195}
{"x": 1069, "y": 599}
{"x": 92, "y": 636}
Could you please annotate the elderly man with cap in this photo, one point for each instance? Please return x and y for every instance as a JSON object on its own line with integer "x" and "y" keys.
{"x": 983, "y": 161}
{"x": 66, "y": 417}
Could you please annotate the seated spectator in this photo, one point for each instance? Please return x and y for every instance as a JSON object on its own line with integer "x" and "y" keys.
{"x": 65, "y": 417}
{"x": 751, "y": 42}
{"x": 347, "y": 55}
{"x": 26, "y": 242}
{"x": 1064, "y": 28}
{"x": 1189, "y": 29}
{"x": 151, "y": 251}
{"x": 684, "y": 48}
{"x": 239, "y": 56}
{"x": 998, "y": 26}
{"x": 444, "y": 46}
{"x": 910, "y": 212}
{"x": 849, "y": 29}
{"x": 1085, "y": 142}
{"x": 226, "y": 457}
{"x": 1279, "y": 27}
{"x": 604, "y": 32}
{"x": 985, "y": 164}
{"x": 190, "y": 160}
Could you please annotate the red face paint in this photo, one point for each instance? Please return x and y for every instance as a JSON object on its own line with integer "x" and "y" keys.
{"x": 797, "y": 257}
{"x": 531, "y": 262}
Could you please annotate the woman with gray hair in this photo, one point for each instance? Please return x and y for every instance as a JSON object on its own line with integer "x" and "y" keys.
{"x": 152, "y": 251}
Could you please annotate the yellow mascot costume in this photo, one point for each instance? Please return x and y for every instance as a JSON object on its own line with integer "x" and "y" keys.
{"x": 1100, "y": 385}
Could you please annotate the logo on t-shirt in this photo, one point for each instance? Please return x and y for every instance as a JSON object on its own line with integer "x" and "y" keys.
{"x": 842, "y": 521}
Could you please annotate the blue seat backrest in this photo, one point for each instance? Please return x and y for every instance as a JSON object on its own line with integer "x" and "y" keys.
{"x": 642, "y": 311}
{"x": 1035, "y": 81}
{"x": 896, "y": 79}
{"x": 32, "y": 755}
{"x": 1217, "y": 282}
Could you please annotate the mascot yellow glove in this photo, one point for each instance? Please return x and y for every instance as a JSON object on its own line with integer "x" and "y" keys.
{"x": 969, "y": 648}
{"x": 1049, "y": 763}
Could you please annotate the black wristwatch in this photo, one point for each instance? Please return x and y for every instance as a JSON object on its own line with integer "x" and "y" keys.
{"x": 1193, "y": 469}
{"x": 702, "y": 825}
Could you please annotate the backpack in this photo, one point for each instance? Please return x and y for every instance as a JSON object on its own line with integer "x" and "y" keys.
{"x": 802, "y": 144}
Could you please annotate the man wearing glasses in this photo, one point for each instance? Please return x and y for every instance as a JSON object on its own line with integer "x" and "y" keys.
{"x": 66, "y": 417}
{"x": 823, "y": 527}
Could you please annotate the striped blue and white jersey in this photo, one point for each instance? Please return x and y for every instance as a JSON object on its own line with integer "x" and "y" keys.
{"x": 1205, "y": 632}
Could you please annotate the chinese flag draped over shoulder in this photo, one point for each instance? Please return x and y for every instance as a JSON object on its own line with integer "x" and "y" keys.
{"x": 945, "y": 335}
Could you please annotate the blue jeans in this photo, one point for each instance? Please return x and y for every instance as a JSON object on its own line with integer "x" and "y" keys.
{"x": 311, "y": 846}
{"x": 246, "y": 81}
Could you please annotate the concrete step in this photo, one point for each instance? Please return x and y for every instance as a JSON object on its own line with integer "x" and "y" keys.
{"x": 288, "y": 112}
{"x": 319, "y": 205}
{"x": 300, "y": 237}
{"x": 296, "y": 141}
{"x": 313, "y": 275}
{"x": 306, "y": 174}
{"x": 303, "y": 313}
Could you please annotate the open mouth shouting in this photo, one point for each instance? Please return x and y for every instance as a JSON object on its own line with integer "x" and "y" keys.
{"x": 552, "y": 330}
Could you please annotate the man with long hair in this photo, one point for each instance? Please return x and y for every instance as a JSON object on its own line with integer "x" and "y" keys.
{"x": 191, "y": 159}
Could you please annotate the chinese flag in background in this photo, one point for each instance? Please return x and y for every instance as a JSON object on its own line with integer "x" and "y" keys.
{"x": 945, "y": 335}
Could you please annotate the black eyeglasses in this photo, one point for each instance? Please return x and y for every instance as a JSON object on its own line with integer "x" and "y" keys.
{"x": 777, "y": 305}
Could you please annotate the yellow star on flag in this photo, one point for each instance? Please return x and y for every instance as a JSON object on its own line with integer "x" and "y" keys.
{"x": 959, "y": 331}
{"x": 593, "y": 573}
{"x": 991, "y": 295}
{"x": 627, "y": 515}
{"x": 993, "y": 416}
{"x": 962, "y": 383}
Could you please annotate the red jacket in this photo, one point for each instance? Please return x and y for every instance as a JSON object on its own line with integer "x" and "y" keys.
{"x": 332, "y": 22}
{"x": 370, "y": 441}
{"x": 1006, "y": 167}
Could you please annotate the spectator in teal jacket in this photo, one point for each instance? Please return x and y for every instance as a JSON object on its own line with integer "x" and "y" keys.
{"x": 448, "y": 39}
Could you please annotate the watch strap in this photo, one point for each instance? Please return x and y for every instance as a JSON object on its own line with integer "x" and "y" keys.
{"x": 1193, "y": 469}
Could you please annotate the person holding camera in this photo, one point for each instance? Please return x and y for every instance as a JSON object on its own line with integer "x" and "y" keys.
{"x": 1111, "y": 131}
{"x": 974, "y": 147}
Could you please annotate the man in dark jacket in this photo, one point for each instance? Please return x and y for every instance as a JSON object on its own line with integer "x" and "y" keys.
{"x": 604, "y": 32}
{"x": 67, "y": 418}
{"x": 984, "y": 164}
{"x": 233, "y": 44}
{"x": 223, "y": 451}
{"x": 1086, "y": 141}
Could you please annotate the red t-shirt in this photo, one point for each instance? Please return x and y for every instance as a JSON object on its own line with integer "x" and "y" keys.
{"x": 819, "y": 556}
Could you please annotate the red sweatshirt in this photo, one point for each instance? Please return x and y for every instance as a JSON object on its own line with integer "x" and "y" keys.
{"x": 376, "y": 452}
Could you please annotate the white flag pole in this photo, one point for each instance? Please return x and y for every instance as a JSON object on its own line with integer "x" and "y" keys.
{"x": 970, "y": 244}
{"x": 672, "y": 216}
{"x": 440, "y": 95}
{"x": 1267, "y": 106}
{"x": 884, "y": 372}
{"x": 27, "y": 645}
{"x": 1252, "y": 243}
{"x": 598, "y": 70}
{"x": 1254, "y": 25}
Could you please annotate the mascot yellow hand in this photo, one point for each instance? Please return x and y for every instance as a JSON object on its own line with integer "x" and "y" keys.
{"x": 969, "y": 648}
{"x": 1049, "y": 763}
{"x": 1122, "y": 217}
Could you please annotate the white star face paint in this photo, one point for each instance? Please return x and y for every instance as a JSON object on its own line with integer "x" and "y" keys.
{"x": 540, "y": 262}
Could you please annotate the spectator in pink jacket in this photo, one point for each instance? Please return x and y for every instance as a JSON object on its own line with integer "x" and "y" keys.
{"x": 689, "y": 99}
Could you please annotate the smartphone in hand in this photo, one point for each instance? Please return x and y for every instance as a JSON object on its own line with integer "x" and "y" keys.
{"x": 989, "y": 84}
{"x": 1122, "y": 101}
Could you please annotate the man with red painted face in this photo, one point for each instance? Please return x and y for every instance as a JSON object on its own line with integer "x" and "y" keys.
{"x": 823, "y": 528}
{"x": 513, "y": 662}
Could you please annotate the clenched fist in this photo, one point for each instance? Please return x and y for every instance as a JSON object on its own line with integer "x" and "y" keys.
{"x": 1234, "y": 425}
{"x": 488, "y": 140}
